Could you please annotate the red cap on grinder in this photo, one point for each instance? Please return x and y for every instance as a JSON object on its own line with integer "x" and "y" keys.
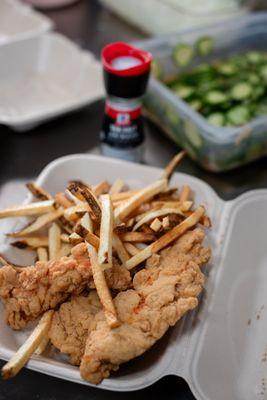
{"x": 126, "y": 70}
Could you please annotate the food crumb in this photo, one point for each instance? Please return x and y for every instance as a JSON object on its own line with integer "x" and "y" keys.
{"x": 249, "y": 321}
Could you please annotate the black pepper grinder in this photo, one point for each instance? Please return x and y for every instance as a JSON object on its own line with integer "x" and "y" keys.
{"x": 126, "y": 72}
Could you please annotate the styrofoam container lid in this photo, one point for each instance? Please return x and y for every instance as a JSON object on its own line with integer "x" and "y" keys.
{"x": 220, "y": 349}
{"x": 43, "y": 77}
{"x": 19, "y": 21}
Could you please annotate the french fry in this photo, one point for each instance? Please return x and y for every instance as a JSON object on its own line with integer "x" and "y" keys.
{"x": 63, "y": 201}
{"x": 72, "y": 213}
{"x": 122, "y": 228}
{"x": 88, "y": 236}
{"x": 76, "y": 190}
{"x": 38, "y": 208}
{"x": 22, "y": 356}
{"x": 38, "y": 191}
{"x": 143, "y": 208}
{"x": 87, "y": 223}
{"x": 132, "y": 249}
{"x": 137, "y": 237}
{"x": 141, "y": 256}
{"x": 120, "y": 249}
{"x": 64, "y": 238}
{"x": 102, "y": 289}
{"x": 74, "y": 239}
{"x": 64, "y": 250}
{"x": 184, "y": 206}
{"x": 101, "y": 188}
{"x": 65, "y": 225}
{"x": 116, "y": 187}
{"x": 31, "y": 242}
{"x": 117, "y": 203}
{"x": 185, "y": 193}
{"x": 130, "y": 223}
{"x": 155, "y": 214}
{"x": 167, "y": 195}
{"x": 42, "y": 346}
{"x": 93, "y": 203}
{"x": 106, "y": 230}
{"x": 146, "y": 229}
{"x": 139, "y": 198}
{"x": 79, "y": 183}
{"x": 155, "y": 225}
{"x": 54, "y": 242}
{"x": 123, "y": 195}
{"x": 42, "y": 254}
{"x": 166, "y": 239}
{"x": 168, "y": 171}
{"x": 39, "y": 223}
{"x": 80, "y": 214}
{"x": 205, "y": 221}
{"x": 35, "y": 242}
{"x": 72, "y": 197}
{"x": 85, "y": 194}
{"x": 3, "y": 261}
{"x": 178, "y": 230}
{"x": 166, "y": 222}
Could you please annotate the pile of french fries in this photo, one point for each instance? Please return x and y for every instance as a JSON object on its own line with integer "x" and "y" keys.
{"x": 113, "y": 221}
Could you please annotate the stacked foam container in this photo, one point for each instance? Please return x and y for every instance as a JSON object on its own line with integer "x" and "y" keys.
{"x": 42, "y": 73}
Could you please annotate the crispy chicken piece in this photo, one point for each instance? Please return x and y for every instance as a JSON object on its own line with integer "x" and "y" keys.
{"x": 162, "y": 293}
{"x": 74, "y": 320}
{"x": 27, "y": 293}
{"x": 72, "y": 323}
{"x": 188, "y": 247}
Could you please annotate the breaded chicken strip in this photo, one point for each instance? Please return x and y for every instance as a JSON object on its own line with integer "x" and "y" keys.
{"x": 27, "y": 293}
{"x": 72, "y": 323}
{"x": 162, "y": 293}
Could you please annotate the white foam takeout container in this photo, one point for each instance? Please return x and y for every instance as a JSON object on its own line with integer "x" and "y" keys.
{"x": 19, "y": 21}
{"x": 43, "y": 77}
{"x": 220, "y": 348}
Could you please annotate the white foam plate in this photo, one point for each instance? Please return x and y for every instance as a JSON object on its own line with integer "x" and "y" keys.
{"x": 43, "y": 77}
{"x": 220, "y": 348}
{"x": 19, "y": 21}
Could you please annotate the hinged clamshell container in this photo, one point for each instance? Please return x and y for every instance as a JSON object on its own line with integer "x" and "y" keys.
{"x": 215, "y": 148}
{"x": 220, "y": 349}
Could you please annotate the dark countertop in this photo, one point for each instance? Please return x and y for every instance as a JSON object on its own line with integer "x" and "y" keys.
{"x": 24, "y": 155}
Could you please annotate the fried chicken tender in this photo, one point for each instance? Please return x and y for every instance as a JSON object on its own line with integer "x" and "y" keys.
{"x": 28, "y": 292}
{"x": 162, "y": 293}
{"x": 72, "y": 323}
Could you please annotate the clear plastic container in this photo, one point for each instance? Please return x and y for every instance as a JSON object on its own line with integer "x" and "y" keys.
{"x": 158, "y": 17}
{"x": 215, "y": 148}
